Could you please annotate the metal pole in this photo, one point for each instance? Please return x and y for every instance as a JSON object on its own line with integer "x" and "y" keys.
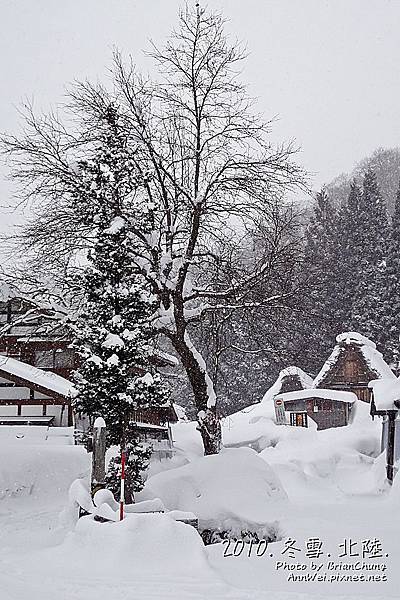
{"x": 390, "y": 445}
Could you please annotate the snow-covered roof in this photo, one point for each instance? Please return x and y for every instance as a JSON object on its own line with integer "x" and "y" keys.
{"x": 305, "y": 380}
{"x": 318, "y": 393}
{"x": 386, "y": 393}
{"x": 352, "y": 337}
{"x": 372, "y": 357}
{"x": 166, "y": 357}
{"x": 45, "y": 379}
{"x": 141, "y": 425}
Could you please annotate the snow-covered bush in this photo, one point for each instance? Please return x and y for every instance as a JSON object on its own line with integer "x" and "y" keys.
{"x": 233, "y": 494}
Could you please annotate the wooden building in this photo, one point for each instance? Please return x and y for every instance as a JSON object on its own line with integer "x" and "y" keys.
{"x": 29, "y": 395}
{"x": 344, "y": 378}
{"x": 36, "y": 364}
{"x": 327, "y": 408}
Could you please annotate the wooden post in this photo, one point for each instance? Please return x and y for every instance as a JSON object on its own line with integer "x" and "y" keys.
{"x": 99, "y": 455}
{"x": 390, "y": 444}
{"x": 122, "y": 495}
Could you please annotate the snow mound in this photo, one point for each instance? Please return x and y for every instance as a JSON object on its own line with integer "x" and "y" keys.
{"x": 40, "y": 471}
{"x": 255, "y": 425}
{"x": 187, "y": 440}
{"x": 340, "y": 459}
{"x": 139, "y": 547}
{"x": 233, "y": 491}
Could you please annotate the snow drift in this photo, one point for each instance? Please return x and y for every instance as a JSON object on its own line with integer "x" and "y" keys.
{"x": 231, "y": 493}
{"x": 39, "y": 470}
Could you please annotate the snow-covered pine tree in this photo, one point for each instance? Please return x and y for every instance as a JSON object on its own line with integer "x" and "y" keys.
{"x": 349, "y": 254}
{"x": 320, "y": 313}
{"x": 113, "y": 331}
{"x": 391, "y": 290}
{"x": 368, "y": 312}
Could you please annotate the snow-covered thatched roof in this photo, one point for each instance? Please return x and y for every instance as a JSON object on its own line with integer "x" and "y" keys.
{"x": 304, "y": 379}
{"x": 367, "y": 349}
{"x": 47, "y": 381}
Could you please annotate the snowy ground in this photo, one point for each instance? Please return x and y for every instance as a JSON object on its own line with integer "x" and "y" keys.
{"x": 322, "y": 485}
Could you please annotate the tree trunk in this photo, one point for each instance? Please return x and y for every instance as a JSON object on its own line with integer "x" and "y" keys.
{"x": 209, "y": 424}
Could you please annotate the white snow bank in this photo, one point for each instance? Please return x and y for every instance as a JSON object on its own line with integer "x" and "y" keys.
{"x": 40, "y": 471}
{"x": 141, "y": 546}
{"x": 338, "y": 395}
{"x": 338, "y": 459}
{"x": 255, "y": 426}
{"x": 232, "y": 491}
{"x": 187, "y": 440}
{"x": 104, "y": 505}
{"x": 386, "y": 393}
{"x": 45, "y": 379}
{"x": 36, "y": 434}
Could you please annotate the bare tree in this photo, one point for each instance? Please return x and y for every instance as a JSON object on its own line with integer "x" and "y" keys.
{"x": 208, "y": 175}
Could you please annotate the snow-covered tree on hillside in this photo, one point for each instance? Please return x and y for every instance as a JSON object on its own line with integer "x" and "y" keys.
{"x": 391, "y": 290}
{"x": 349, "y": 254}
{"x": 368, "y": 310}
{"x": 321, "y": 312}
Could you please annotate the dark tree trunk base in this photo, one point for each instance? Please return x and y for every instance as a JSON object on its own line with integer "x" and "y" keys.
{"x": 210, "y": 429}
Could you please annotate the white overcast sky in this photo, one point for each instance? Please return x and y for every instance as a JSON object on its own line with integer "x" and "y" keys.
{"x": 328, "y": 69}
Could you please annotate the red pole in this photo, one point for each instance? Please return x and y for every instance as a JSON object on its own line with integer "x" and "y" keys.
{"x": 122, "y": 496}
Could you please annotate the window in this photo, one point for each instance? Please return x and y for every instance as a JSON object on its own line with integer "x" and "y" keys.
{"x": 44, "y": 359}
{"x": 54, "y": 359}
{"x": 64, "y": 359}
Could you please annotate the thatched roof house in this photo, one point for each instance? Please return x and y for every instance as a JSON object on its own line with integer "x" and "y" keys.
{"x": 353, "y": 363}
